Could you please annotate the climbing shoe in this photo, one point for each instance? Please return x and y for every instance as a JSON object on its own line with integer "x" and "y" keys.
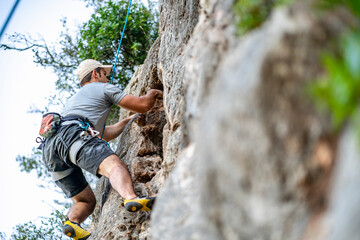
{"x": 139, "y": 204}
{"x": 73, "y": 230}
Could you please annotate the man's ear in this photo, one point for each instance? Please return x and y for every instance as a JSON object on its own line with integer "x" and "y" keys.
{"x": 94, "y": 74}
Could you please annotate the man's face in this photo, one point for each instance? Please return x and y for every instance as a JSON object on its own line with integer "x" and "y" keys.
{"x": 102, "y": 76}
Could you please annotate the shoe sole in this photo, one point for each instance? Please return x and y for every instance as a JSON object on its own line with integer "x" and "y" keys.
{"x": 135, "y": 206}
{"x": 70, "y": 232}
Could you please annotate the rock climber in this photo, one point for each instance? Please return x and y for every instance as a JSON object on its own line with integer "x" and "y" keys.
{"x": 77, "y": 145}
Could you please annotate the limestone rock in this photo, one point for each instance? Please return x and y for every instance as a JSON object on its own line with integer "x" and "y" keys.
{"x": 258, "y": 173}
{"x": 343, "y": 216}
{"x": 235, "y": 150}
{"x": 140, "y": 147}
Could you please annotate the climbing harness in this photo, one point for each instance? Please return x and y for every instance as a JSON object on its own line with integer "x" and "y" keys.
{"x": 87, "y": 129}
{"x": 52, "y": 122}
{"x": 88, "y": 133}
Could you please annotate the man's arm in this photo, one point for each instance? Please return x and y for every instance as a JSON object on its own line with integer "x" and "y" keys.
{"x": 135, "y": 104}
{"x": 140, "y": 104}
{"x": 113, "y": 131}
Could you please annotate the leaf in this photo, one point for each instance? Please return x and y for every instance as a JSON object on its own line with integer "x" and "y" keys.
{"x": 354, "y": 5}
{"x": 351, "y": 50}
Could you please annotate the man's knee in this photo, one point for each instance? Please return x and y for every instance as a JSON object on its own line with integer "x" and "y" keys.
{"x": 109, "y": 163}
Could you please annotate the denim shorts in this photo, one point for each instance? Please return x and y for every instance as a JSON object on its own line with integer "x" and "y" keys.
{"x": 89, "y": 157}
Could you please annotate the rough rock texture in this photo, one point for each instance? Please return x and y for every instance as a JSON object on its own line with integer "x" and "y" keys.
{"x": 251, "y": 160}
{"x": 343, "y": 216}
{"x": 143, "y": 155}
{"x": 140, "y": 147}
{"x": 235, "y": 150}
{"x": 177, "y": 21}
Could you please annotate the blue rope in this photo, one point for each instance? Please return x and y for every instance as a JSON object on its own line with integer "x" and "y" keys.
{"x": 84, "y": 125}
{"x": 117, "y": 54}
{"x": 8, "y": 18}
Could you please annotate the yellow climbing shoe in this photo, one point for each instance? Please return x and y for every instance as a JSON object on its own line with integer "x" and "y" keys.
{"x": 73, "y": 230}
{"x": 139, "y": 204}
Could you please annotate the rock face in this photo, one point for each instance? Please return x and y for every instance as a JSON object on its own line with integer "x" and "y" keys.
{"x": 235, "y": 150}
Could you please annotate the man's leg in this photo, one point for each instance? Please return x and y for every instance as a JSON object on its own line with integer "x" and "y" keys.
{"x": 114, "y": 169}
{"x": 84, "y": 204}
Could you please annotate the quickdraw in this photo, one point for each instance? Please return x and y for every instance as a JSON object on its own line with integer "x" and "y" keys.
{"x": 87, "y": 130}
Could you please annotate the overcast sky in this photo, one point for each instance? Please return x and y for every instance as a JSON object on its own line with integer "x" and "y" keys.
{"x": 23, "y": 84}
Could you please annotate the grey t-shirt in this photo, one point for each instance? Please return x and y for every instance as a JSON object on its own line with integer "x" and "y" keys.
{"x": 94, "y": 102}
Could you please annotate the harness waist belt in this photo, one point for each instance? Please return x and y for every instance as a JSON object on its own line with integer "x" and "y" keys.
{"x": 75, "y": 118}
{"x": 69, "y": 122}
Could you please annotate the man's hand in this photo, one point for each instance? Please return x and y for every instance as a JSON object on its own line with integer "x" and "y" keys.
{"x": 113, "y": 131}
{"x": 126, "y": 120}
{"x": 158, "y": 94}
{"x": 141, "y": 104}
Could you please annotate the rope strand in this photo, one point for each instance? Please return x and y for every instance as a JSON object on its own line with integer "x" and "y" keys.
{"x": 117, "y": 55}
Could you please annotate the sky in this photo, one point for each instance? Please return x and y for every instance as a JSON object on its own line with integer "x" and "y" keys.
{"x": 22, "y": 85}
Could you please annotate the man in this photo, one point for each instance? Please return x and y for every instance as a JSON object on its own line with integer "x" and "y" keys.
{"x": 76, "y": 145}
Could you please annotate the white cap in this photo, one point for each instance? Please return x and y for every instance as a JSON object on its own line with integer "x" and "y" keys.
{"x": 89, "y": 65}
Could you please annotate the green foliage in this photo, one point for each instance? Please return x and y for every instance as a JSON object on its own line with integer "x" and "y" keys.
{"x": 33, "y": 162}
{"x": 97, "y": 39}
{"x": 48, "y": 228}
{"x": 338, "y": 91}
{"x": 252, "y": 13}
{"x": 352, "y": 5}
{"x": 100, "y": 37}
{"x": 2, "y": 236}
